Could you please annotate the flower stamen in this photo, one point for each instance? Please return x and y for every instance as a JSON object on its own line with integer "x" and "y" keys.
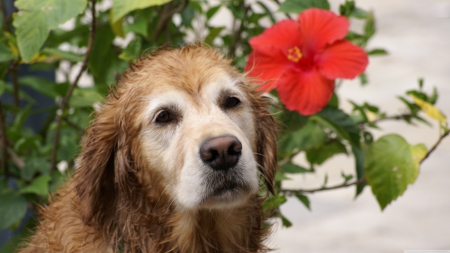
{"x": 294, "y": 54}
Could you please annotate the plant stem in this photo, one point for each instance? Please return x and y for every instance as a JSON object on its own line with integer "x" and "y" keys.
{"x": 290, "y": 192}
{"x": 237, "y": 34}
{"x": 165, "y": 16}
{"x": 65, "y": 101}
{"x": 445, "y": 134}
{"x": 287, "y": 14}
{"x": 393, "y": 117}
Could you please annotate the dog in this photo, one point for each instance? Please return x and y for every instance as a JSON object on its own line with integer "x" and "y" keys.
{"x": 173, "y": 162}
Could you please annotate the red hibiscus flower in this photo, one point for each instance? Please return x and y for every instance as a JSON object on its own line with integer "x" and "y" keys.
{"x": 301, "y": 59}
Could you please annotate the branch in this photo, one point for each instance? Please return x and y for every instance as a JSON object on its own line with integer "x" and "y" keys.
{"x": 287, "y": 14}
{"x": 290, "y": 192}
{"x": 288, "y": 158}
{"x": 15, "y": 159}
{"x": 65, "y": 101}
{"x": 445, "y": 134}
{"x": 73, "y": 125}
{"x": 165, "y": 16}
{"x": 393, "y": 117}
{"x": 237, "y": 34}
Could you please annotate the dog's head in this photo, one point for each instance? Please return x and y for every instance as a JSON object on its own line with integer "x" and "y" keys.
{"x": 182, "y": 121}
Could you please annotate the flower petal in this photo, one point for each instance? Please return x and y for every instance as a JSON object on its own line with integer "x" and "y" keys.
{"x": 267, "y": 67}
{"x": 305, "y": 92}
{"x": 283, "y": 35}
{"x": 320, "y": 27}
{"x": 342, "y": 60}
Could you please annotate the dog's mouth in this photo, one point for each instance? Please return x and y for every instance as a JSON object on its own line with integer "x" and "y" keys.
{"x": 226, "y": 194}
{"x": 226, "y": 187}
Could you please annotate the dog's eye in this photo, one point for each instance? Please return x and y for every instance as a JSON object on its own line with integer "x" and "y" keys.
{"x": 164, "y": 117}
{"x": 231, "y": 102}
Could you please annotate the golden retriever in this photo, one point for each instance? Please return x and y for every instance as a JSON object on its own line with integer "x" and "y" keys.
{"x": 173, "y": 162}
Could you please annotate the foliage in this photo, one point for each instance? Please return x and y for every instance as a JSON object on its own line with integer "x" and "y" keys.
{"x": 36, "y": 161}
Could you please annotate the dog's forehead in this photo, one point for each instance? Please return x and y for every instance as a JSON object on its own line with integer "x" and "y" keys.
{"x": 180, "y": 96}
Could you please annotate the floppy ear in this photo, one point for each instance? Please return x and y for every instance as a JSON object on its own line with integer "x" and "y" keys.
{"x": 266, "y": 134}
{"x": 104, "y": 168}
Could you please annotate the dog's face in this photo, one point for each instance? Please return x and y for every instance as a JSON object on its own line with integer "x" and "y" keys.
{"x": 183, "y": 125}
{"x": 200, "y": 135}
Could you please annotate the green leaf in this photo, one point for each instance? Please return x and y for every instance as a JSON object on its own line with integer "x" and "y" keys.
{"x": 307, "y": 137}
{"x": 213, "y": 33}
{"x": 293, "y": 168}
{"x": 377, "y": 51}
{"x": 305, "y": 200}
{"x": 85, "y": 97}
{"x": 37, "y": 17}
{"x": 63, "y": 54}
{"x": 273, "y": 202}
{"x": 44, "y": 86}
{"x": 2, "y": 87}
{"x": 12, "y": 209}
{"x": 280, "y": 176}
{"x": 339, "y": 122}
{"x": 267, "y": 11}
{"x": 102, "y": 57}
{"x": 39, "y": 186}
{"x": 5, "y": 53}
{"x": 213, "y": 10}
{"x": 391, "y": 165}
{"x": 327, "y": 150}
{"x": 139, "y": 26}
{"x": 116, "y": 26}
{"x": 121, "y": 8}
{"x": 359, "y": 153}
{"x": 360, "y": 13}
{"x": 287, "y": 223}
{"x": 296, "y": 6}
{"x": 291, "y": 120}
{"x": 132, "y": 50}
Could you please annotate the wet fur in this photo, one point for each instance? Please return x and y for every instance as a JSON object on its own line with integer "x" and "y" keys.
{"x": 115, "y": 201}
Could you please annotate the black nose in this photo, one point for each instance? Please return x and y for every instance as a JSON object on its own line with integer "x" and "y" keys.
{"x": 221, "y": 153}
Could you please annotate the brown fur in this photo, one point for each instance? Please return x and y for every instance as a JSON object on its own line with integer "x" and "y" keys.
{"x": 115, "y": 201}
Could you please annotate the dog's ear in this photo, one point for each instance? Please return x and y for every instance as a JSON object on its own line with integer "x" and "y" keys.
{"x": 104, "y": 166}
{"x": 266, "y": 134}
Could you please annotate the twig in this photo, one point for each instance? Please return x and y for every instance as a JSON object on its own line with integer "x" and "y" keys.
{"x": 73, "y": 125}
{"x": 288, "y": 158}
{"x": 287, "y": 14}
{"x": 237, "y": 34}
{"x": 3, "y": 143}
{"x": 15, "y": 159}
{"x": 66, "y": 99}
{"x": 290, "y": 192}
{"x": 393, "y": 117}
{"x": 165, "y": 16}
{"x": 445, "y": 134}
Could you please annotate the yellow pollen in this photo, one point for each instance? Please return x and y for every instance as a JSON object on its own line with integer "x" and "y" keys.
{"x": 294, "y": 54}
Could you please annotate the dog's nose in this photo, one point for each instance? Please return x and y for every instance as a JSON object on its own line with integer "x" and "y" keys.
{"x": 221, "y": 153}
